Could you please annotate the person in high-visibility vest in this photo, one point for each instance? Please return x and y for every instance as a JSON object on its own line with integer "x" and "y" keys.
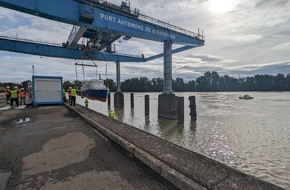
{"x": 86, "y": 103}
{"x": 7, "y": 93}
{"x": 73, "y": 94}
{"x": 14, "y": 96}
{"x": 112, "y": 114}
{"x": 22, "y": 95}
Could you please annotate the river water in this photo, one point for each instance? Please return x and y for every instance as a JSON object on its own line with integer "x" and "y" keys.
{"x": 252, "y": 136}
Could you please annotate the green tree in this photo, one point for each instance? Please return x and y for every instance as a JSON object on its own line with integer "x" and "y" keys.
{"x": 178, "y": 85}
{"x": 24, "y": 84}
{"x": 110, "y": 84}
{"x": 77, "y": 84}
{"x": 66, "y": 85}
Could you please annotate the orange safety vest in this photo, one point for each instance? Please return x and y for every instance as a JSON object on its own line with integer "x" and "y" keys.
{"x": 22, "y": 94}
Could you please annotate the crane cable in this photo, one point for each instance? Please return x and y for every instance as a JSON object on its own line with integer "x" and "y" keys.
{"x": 96, "y": 68}
{"x": 83, "y": 70}
{"x": 76, "y": 70}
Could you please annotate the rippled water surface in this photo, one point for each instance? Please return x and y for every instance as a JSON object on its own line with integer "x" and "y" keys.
{"x": 250, "y": 135}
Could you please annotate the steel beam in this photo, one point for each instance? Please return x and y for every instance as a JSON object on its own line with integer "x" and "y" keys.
{"x": 61, "y": 52}
{"x": 75, "y": 35}
{"x": 177, "y": 50}
{"x": 101, "y": 18}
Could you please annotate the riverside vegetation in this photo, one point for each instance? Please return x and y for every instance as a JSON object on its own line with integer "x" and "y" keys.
{"x": 209, "y": 82}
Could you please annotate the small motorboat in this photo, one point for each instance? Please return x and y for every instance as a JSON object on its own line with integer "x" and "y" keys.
{"x": 246, "y": 97}
{"x": 94, "y": 90}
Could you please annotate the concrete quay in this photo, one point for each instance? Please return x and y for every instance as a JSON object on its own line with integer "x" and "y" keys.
{"x": 57, "y": 150}
{"x": 181, "y": 167}
{"x": 64, "y": 147}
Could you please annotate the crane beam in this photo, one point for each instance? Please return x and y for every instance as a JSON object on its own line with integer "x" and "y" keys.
{"x": 102, "y": 18}
{"x": 177, "y": 50}
{"x": 61, "y": 52}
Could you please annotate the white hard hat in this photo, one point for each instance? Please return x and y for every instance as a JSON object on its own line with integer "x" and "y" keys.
{"x": 15, "y": 87}
{"x": 7, "y": 86}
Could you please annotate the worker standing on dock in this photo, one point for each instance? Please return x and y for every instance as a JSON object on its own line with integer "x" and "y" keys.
{"x": 86, "y": 103}
{"x": 7, "y": 93}
{"x": 69, "y": 95}
{"x": 112, "y": 114}
{"x": 22, "y": 96}
{"x": 14, "y": 96}
{"x": 63, "y": 95}
{"x": 73, "y": 94}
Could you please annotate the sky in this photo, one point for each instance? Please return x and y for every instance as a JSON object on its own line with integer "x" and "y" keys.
{"x": 242, "y": 38}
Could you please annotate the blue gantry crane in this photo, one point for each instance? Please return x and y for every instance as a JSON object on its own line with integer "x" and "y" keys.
{"x": 101, "y": 23}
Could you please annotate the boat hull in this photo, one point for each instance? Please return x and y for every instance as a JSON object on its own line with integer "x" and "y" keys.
{"x": 248, "y": 98}
{"x": 100, "y": 95}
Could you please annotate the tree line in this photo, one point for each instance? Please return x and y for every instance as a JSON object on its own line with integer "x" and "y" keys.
{"x": 209, "y": 82}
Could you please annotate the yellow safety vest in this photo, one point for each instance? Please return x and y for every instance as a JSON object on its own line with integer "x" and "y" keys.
{"x": 14, "y": 94}
{"x": 112, "y": 114}
{"x": 73, "y": 92}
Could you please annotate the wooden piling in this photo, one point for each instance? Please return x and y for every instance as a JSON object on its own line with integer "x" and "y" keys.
{"x": 132, "y": 100}
{"x": 109, "y": 100}
{"x": 146, "y": 104}
{"x": 192, "y": 107}
{"x": 180, "y": 109}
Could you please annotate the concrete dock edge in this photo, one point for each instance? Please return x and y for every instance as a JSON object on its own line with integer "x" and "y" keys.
{"x": 165, "y": 171}
{"x": 195, "y": 172}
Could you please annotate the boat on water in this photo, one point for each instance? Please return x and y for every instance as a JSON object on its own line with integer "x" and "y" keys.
{"x": 93, "y": 89}
{"x": 246, "y": 97}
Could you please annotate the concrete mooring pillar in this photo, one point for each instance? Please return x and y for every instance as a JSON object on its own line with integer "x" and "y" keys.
{"x": 167, "y": 106}
{"x": 192, "y": 106}
{"x": 146, "y": 104}
{"x": 180, "y": 109}
{"x": 109, "y": 100}
{"x": 132, "y": 99}
{"x": 119, "y": 99}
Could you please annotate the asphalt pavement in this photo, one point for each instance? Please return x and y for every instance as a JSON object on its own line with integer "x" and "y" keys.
{"x": 49, "y": 147}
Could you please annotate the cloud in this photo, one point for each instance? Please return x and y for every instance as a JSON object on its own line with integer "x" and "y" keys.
{"x": 284, "y": 46}
{"x": 252, "y": 38}
{"x": 271, "y": 3}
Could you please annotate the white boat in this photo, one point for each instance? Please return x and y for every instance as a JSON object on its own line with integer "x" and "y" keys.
{"x": 94, "y": 89}
{"x": 246, "y": 97}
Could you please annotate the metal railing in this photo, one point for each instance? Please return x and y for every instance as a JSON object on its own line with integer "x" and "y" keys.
{"x": 29, "y": 41}
{"x": 170, "y": 26}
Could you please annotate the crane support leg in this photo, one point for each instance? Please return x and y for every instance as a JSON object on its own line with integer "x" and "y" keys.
{"x": 167, "y": 86}
{"x": 168, "y": 102}
{"x": 118, "y": 96}
{"x": 118, "y": 73}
